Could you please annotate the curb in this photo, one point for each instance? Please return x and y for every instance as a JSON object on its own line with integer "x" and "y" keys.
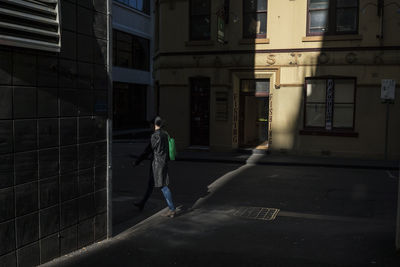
{"x": 280, "y": 163}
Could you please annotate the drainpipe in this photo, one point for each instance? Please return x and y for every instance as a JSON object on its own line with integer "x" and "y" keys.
{"x": 380, "y": 15}
{"x": 109, "y": 119}
{"x": 398, "y": 218}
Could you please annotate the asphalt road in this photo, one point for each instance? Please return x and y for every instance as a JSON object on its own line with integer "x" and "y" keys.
{"x": 188, "y": 183}
{"x": 325, "y": 217}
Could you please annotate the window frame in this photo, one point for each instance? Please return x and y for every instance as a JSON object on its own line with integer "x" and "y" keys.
{"x": 146, "y": 7}
{"x": 315, "y": 130}
{"x": 191, "y": 21}
{"x": 332, "y": 13}
{"x": 134, "y": 41}
{"x": 258, "y": 36}
{"x": 134, "y": 91}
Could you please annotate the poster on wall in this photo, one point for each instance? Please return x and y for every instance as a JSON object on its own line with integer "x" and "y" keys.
{"x": 388, "y": 88}
{"x": 329, "y": 105}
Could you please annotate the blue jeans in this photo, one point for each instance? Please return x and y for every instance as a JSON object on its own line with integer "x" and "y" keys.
{"x": 168, "y": 197}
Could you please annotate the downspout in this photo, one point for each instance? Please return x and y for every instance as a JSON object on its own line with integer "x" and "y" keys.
{"x": 398, "y": 216}
{"x": 380, "y": 14}
{"x": 109, "y": 118}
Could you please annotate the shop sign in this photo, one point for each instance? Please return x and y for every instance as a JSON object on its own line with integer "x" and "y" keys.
{"x": 329, "y": 105}
{"x": 388, "y": 88}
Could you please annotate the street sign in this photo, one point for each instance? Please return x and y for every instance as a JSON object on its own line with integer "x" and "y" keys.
{"x": 388, "y": 87}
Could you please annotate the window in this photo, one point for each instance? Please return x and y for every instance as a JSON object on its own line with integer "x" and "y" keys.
{"x": 255, "y": 19}
{"x": 157, "y": 26}
{"x": 329, "y": 103}
{"x": 200, "y": 20}
{"x": 141, "y": 5}
{"x": 129, "y": 108}
{"x": 30, "y": 24}
{"x": 332, "y": 17}
{"x": 130, "y": 51}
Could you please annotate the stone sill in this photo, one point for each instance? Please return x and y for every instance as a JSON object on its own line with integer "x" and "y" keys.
{"x": 254, "y": 41}
{"x": 321, "y": 132}
{"x": 199, "y": 43}
{"x": 129, "y": 8}
{"x": 320, "y": 38}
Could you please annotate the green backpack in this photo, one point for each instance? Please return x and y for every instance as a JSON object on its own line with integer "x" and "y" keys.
{"x": 172, "y": 148}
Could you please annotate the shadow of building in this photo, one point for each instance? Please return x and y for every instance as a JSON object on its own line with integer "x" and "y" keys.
{"x": 212, "y": 93}
{"x": 53, "y": 131}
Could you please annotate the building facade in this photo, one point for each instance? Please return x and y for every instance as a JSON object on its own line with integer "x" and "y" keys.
{"x": 297, "y": 76}
{"x": 54, "y": 86}
{"x": 132, "y": 63}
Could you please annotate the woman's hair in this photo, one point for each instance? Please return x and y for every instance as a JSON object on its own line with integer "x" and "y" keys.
{"x": 158, "y": 121}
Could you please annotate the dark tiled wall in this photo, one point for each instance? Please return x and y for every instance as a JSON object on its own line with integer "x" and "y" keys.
{"x": 53, "y": 147}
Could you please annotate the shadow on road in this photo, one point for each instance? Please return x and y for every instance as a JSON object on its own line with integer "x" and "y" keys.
{"x": 189, "y": 182}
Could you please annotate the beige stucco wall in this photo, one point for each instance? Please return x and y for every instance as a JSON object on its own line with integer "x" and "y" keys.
{"x": 286, "y": 26}
{"x": 286, "y": 57}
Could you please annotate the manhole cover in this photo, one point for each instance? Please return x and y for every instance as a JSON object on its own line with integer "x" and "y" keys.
{"x": 259, "y": 213}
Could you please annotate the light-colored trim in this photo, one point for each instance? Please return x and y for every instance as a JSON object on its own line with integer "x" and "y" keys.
{"x": 128, "y": 75}
{"x": 254, "y": 41}
{"x": 132, "y": 31}
{"x": 320, "y": 38}
{"x": 28, "y": 16}
{"x": 32, "y": 6}
{"x": 292, "y": 85}
{"x": 131, "y": 9}
{"x": 187, "y": 85}
{"x": 28, "y": 29}
{"x": 28, "y": 43}
{"x": 173, "y": 85}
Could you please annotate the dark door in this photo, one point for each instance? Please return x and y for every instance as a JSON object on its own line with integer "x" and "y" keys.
{"x": 200, "y": 111}
{"x": 253, "y": 113}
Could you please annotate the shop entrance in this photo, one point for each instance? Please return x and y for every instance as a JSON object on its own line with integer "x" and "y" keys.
{"x": 200, "y": 112}
{"x": 253, "y": 114}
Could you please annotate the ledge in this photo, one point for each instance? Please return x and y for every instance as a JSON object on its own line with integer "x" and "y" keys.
{"x": 317, "y": 132}
{"x": 199, "y": 43}
{"x": 254, "y": 41}
{"x": 320, "y": 38}
{"x": 132, "y": 9}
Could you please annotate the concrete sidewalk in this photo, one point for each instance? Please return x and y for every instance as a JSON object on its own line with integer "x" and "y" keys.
{"x": 135, "y": 147}
{"x": 262, "y": 158}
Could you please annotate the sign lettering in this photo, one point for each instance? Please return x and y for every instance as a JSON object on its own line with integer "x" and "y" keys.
{"x": 329, "y": 105}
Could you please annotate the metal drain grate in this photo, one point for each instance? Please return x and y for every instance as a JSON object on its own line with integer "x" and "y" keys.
{"x": 259, "y": 213}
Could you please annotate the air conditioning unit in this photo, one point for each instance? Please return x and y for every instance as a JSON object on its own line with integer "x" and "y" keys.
{"x": 30, "y": 24}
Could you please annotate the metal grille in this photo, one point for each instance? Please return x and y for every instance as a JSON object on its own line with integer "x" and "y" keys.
{"x": 30, "y": 24}
{"x": 259, "y": 213}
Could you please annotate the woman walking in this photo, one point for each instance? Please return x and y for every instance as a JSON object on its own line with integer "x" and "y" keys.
{"x": 158, "y": 150}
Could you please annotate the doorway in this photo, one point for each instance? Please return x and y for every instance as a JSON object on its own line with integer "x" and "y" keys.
{"x": 253, "y": 113}
{"x": 200, "y": 111}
